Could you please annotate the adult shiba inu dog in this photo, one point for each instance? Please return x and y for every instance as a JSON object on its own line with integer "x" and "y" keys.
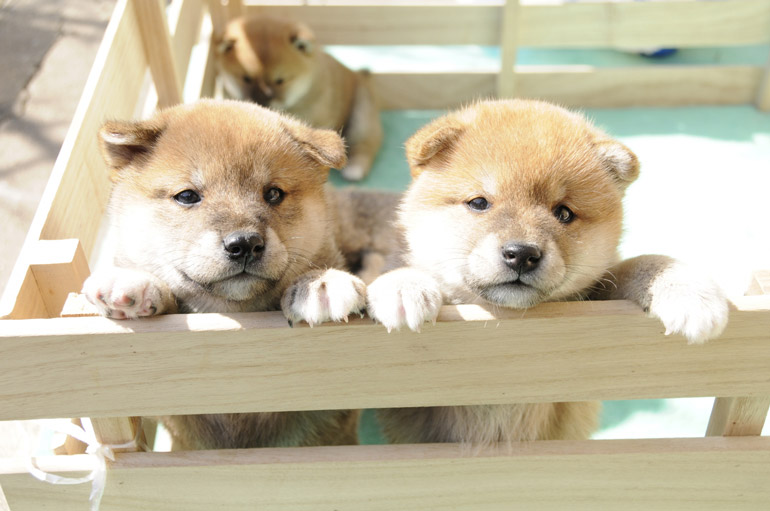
{"x": 221, "y": 206}
{"x": 514, "y": 203}
{"x": 277, "y": 63}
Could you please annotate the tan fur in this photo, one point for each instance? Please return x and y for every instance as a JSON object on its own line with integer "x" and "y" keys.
{"x": 276, "y": 62}
{"x": 172, "y": 256}
{"x": 528, "y": 160}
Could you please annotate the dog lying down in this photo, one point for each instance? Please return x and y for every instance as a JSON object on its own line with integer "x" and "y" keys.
{"x": 514, "y": 203}
{"x": 222, "y": 206}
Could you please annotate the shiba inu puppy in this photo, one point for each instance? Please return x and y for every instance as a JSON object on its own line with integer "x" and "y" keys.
{"x": 514, "y": 203}
{"x": 222, "y": 206}
{"x": 277, "y": 63}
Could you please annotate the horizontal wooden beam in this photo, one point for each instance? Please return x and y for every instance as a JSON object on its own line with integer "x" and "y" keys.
{"x": 563, "y": 25}
{"x": 684, "y": 474}
{"x": 208, "y": 363}
{"x": 588, "y": 86}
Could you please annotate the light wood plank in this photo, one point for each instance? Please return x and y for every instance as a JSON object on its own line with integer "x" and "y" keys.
{"x": 681, "y": 474}
{"x": 79, "y": 176}
{"x": 218, "y": 17}
{"x": 117, "y": 431}
{"x": 583, "y": 24}
{"x": 156, "y": 41}
{"x": 60, "y": 268}
{"x": 763, "y": 91}
{"x": 185, "y": 19}
{"x": 506, "y": 80}
{"x": 738, "y": 416}
{"x": 210, "y": 363}
{"x": 28, "y": 303}
{"x": 742, "y": 416}
{"x": 588, "y": 86}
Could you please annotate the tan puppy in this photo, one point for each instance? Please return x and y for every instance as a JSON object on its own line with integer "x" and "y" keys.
{"x": 514, "y": 203}
{"x": 277, "y": 63}
{"x": 222, "y": 206}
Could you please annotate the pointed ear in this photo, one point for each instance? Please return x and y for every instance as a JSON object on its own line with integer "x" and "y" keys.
{"x": 303, "y": 38}
{"x": 619, "y": 161}
{"x": 432, "y": 141}
{"x": 325, "y": 147}
{"x": 123, "y": 142}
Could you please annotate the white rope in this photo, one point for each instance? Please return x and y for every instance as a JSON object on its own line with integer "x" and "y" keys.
{"x": 99, "y": 452}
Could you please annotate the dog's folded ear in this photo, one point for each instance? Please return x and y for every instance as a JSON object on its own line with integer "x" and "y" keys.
{"x": 123, "y": 142}
{"x": 619, "y": 161}
{"x": 325, "y": 147}
{"x": 432, "y": 141}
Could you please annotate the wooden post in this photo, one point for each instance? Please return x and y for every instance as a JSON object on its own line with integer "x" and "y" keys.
{"x": 506, "y": 81}
{"x": 157, "y": 48}
{"x": 234, "y": 8}
{"x": 742, "y": 416}
{"x": 60, "y": 268}
{"x": 218, "y": 15}
{"x": 763, "y": 93}
{"x": 120, "y": 430}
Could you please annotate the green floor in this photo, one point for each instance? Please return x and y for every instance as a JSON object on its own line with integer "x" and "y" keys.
{"x": 702, "y": 197}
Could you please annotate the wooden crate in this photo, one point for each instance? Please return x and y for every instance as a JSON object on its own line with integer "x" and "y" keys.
{"x": 178, "y": 364}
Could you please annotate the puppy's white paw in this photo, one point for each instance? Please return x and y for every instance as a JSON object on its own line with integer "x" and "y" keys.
{"x": 404, "y": 297}
{"x": 122, "y": 293}
{"x": 323, "y": 296}
{"x": 689, "y": 304}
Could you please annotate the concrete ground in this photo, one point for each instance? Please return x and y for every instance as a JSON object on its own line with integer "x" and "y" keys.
{"x": 46, "y": 51}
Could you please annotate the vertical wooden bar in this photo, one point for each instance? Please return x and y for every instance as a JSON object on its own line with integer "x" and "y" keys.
{"x": 742, "y": 416}
{"x": 763, "y": 93}
{"x": 120, "y": 430}
{"x": 506, "y": 80}
{"x": 156, "y": 40}
{"x": 60, "y": 268}
{"x": 218, "y": 14}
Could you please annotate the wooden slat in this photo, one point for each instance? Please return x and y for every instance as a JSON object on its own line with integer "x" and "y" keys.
{"x": 209, "y": 363}
{"x": 60, "y": 268}
{"x": 683, "y": 474}
{"x": 156, "y": 41}
{"x": 28, "y": 303}
{"x": 763, "y": 91}
{"x": 118, "y": 431}
{"x": 560, "y": 24}
{"x": 218, "y": 16}
{"x": 645, "y": 24}
{"x": 506, "y": 80}
{"x": 201, "y": 75}
{"x": 185, "y": 18}
{"x": 364, "y": 25}
{"x": 738, "y": 416}
{"x": 742, "y": 416}
{"x": 587, "y": 86}
{"x": 76, "y": 195}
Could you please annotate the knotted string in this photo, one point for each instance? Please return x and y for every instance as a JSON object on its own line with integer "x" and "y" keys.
{"x": 99, "y": 452}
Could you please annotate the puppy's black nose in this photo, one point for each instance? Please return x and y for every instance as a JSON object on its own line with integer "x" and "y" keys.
{"x": 241, "y": 244}
{"x": 521, "y": 258}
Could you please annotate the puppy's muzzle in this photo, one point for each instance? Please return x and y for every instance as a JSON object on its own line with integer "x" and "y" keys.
{"x": 521, "y": 258}
{"x": 242, "y": 245}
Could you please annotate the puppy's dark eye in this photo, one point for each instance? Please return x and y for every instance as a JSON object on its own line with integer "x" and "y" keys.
{"x": 563, "y": 214}
{"x": 278, "y": 81}
{"x": 274, "y": 195}
{"x": 479, "y": 204}
{"x": 247, "y": 79}
{"x": 187, "y": 197}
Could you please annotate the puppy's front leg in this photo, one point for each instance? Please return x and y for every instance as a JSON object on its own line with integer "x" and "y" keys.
{"x": 324, "y": 295}
{"x": 686, "y": 301}
{"x": 124, "y": 293}
{"x": 404, "y": 297}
